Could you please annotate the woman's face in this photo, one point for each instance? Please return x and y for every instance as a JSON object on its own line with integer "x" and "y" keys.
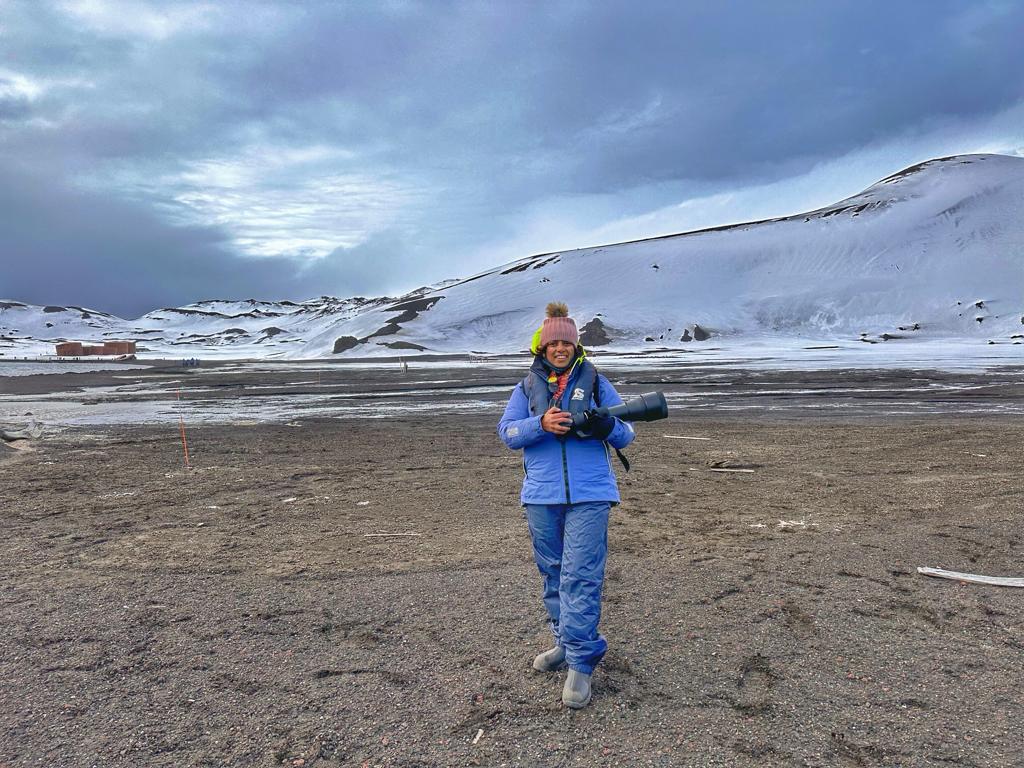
{"x": 559, "y": 353}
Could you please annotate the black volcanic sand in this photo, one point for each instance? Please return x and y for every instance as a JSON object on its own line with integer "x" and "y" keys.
{"x": 237, "y": 613}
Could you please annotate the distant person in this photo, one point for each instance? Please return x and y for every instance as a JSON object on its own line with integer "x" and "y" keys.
{"x": 568, "y": 491}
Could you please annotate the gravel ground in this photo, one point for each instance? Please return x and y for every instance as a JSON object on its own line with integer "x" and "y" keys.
{"x": 238, "y": 614}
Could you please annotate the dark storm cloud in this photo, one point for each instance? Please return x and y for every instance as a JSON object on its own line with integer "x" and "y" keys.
{"x": 610, "y": 95}
{"x": 488, "y": 110}
{"x": 120, "y": 257}
{"x": 371, "y": 266}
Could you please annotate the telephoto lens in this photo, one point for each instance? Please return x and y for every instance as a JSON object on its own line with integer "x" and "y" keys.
{"x": 649, "y": 406}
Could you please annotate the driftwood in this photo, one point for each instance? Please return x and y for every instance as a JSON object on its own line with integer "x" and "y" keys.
{"x": 685, "y": 437}
{"x": 32, "y": 432}
{"x": 972, "y": 578}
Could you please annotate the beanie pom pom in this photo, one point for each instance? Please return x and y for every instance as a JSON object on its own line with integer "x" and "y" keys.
{"x": 557, "y": 309}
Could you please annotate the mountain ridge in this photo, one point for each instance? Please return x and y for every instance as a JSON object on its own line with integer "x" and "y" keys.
{"x": 917, "y": 250}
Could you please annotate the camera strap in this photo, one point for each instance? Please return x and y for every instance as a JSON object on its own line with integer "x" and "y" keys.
{"x": 597, "y": 402}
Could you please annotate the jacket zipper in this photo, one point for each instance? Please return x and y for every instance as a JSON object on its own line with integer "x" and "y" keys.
{"x": 565, "y": 474}
{"x": 565, "y": 460}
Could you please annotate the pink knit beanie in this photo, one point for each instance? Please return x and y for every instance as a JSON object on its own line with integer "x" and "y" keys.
{"x": 558, "y": 326}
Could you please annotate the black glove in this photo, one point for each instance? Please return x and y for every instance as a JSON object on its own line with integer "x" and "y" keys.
{"x": 597, "y": 426}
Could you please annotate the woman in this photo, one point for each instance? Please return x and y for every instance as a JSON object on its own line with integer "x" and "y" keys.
{"x": 568, "y": 491}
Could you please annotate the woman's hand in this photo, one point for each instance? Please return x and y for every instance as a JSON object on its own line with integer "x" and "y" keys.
{"x": 599, "y": 426}
{"x": 556, "y": 421}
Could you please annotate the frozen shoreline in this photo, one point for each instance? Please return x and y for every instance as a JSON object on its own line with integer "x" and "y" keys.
{"x": 761, "y": 352}
{"x": 260, "y": 392}
{"x": 57, "y": 367}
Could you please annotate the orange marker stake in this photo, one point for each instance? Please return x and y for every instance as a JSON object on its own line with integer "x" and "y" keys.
{"x": 184, "y": 442}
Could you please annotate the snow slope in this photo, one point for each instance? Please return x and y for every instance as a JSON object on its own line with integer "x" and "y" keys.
{"x": 935, "y": 251}
{"x": 940, "y": 245}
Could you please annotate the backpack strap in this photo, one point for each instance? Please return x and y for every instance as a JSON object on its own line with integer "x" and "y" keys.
{"x": 536, "y": 397}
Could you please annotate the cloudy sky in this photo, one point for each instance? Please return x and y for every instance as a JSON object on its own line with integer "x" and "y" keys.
{"x": 155, "y": 153}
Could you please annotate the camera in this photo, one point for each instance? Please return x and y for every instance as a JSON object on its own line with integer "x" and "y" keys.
{"x": 649, "y": 406}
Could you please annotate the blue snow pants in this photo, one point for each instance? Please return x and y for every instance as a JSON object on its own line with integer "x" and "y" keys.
{"x": 570, "y": 545}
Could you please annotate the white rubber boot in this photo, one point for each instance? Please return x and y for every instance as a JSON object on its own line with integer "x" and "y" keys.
{"x": 576, "y": 693}
{"x": 550, "y": 661}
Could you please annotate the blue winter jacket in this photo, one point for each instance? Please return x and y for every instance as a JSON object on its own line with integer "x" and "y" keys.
{"x": 563, "y": 471}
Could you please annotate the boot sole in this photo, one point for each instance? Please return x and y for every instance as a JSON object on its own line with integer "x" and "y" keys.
{"x": 578, "y": 704}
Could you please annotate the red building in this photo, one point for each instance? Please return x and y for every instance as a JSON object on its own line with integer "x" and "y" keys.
{"x": 70, "y": 349}
{"x": 78, "y": 349}
{"x": 119, "y": 348}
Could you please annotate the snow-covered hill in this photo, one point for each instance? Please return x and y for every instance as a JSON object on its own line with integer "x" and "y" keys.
{"x": 207, "y": 328}
{"x": 934, "y": 251}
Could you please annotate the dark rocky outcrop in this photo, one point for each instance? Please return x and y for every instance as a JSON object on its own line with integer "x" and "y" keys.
{"x": 699, "y": 334}
{"x": 54, "y": 309}
{"x": 404, "y": 345}
{"x": 410, "y": 311}
{"x": 345, "y": 343}
{"x": 384, "y": 330}
{"x": 594, "y": 334}
{"x": 686, "y": 335}
{"x": 417, "y": 305}
{"x": 533, "y": 262}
